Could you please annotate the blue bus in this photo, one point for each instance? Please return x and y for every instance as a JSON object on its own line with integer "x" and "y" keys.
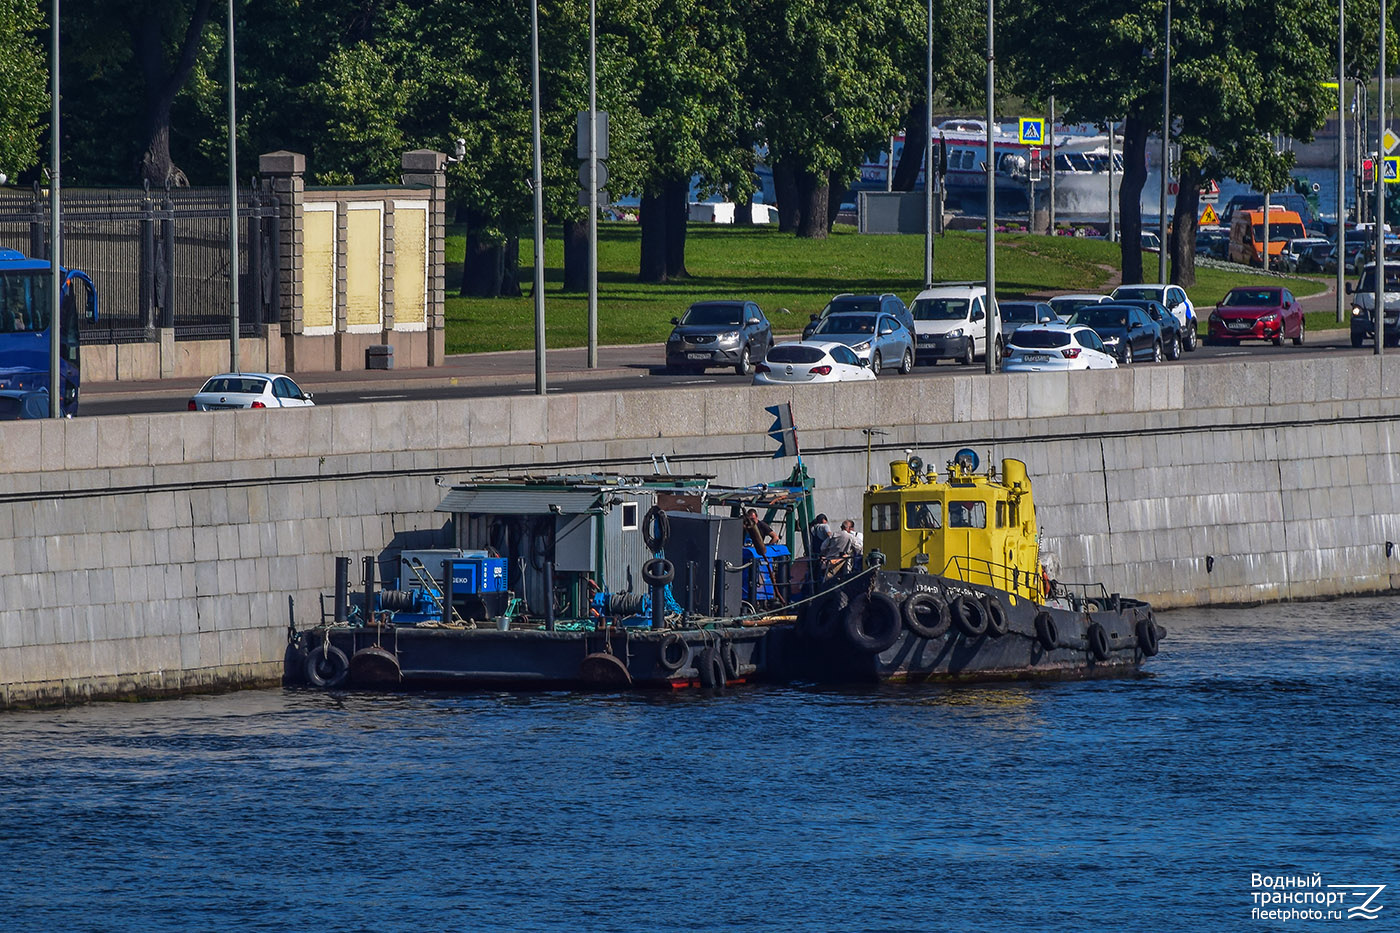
{"x": 25, "y": 331}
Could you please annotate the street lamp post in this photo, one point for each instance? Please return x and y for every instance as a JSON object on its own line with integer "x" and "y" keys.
{"x": 929, "y": 173}
{"x": 990, "y": 355}
{"x": 1166, "y": 142}
{"x": 232, "y": 207}
{"x": 1378, "y": 311}
{"x": 592, "y": 184}
{"x": 539, "y": 194}
{"x": 56, "y": 240}
{"x": 1341, "y": 158}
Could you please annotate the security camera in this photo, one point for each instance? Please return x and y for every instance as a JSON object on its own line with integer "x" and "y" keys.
{"x": 557, "y": 510}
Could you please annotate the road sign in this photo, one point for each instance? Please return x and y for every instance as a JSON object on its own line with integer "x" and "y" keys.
{"x": 1209, "y": 218}
{"x": 1032, "y": 131}
{"x": 1391, "y": 172}
{"x": 1389, "y": 140}
{"x": 1211, "y": 192}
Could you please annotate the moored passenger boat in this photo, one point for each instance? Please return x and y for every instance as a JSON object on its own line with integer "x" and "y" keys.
{"x": 954, "y": 588}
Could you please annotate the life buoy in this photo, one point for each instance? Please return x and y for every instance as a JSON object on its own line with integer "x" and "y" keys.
{"x": 1046, "y": 631}
{"x": 711, "y": 668}
{"x": 872, "y": 623}
{"x": 327, "y": 666}
{"x": 997, "y": 623}
{"x": 673, "y": 653}
{"x": 1098, "y": 641}
{"x": 969, "y": 616}
{"x": 656, "y": 528}
{"x": 658, "y": 572}
{"x": 926, "y": 615}
{"x": 729, "y": 658}
{"x": 1147, "y": 637}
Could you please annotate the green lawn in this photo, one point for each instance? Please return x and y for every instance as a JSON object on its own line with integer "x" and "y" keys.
{"x": 780, "y": 271}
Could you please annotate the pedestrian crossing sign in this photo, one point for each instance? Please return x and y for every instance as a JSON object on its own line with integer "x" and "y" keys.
{"x": 1032, "y": 131}
{"x": 1391, "y": 173}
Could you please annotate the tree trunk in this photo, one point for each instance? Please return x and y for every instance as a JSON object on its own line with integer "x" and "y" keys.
{"x": 1130, "y": 197}
{"x": 789, "y": 200}
{"x": 743, "y": 212}
{"x": 653, "y": 221}
{"x": 911, "y": 159}
{"x": 677, "y": 216}
{"x": 482, "y": 264}
{"x": 812, "y": 194}
{"x": 1183, "y": 233}
{"x": 510, "y": 268}
{"x": 160, "y": 89}
{"x": 576, "y": 255}
{"x": 835, "y": 191}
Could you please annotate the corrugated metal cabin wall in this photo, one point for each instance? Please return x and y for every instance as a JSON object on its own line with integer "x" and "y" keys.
{"x": 624, "y": 551}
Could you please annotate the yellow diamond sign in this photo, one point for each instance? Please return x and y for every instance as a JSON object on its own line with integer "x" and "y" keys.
{"x": 1389, "y": 140}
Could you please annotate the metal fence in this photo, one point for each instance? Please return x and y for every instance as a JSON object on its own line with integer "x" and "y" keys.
{"x": 158, "y": 259}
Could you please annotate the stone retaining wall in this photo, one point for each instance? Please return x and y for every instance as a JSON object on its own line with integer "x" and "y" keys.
{"x": 149, "y": 554}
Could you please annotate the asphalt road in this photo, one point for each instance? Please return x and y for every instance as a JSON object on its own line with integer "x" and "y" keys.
{"x": 496, "y": 374}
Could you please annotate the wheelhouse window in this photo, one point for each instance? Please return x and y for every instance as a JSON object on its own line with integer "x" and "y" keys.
{"x": 923, "y": 515}
{"x": 629, "y": 516}
{"x": 967, "y": 514}
{"x": 884, "y": 516}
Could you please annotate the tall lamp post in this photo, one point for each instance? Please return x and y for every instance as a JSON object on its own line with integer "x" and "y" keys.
{"x": 1166, "y": 142}
{"x": 1341, "y": 158}
{"x": 539, "y": 194}
{"x": 929, "y": 173}
{"x": 56, "y": 240}
{"x": 232, "y": 208}
{"x": 592, "y": 184}
{"x": 990, "y": 356}
{"x": 1378, "y": 310}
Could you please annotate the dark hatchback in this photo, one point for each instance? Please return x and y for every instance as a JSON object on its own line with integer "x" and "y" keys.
{"x": 1172, "y": 339}
{"x": 1127, "y": 331}
{"x": 719, "y": 333}
{"x": 862, "y": 304}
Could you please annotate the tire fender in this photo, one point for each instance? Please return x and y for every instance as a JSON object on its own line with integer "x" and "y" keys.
{"x": 1147, "y": 638}
{"x": 327, "y": 666}
{"x": 1047, "y": 633}
{"x": 673, "y": 652}
{"x": 969, "y": 616}
{"x": 711, "y": 668}
{"x": 873, "y": 623}
{"x": 926, "y": 615}
{"x": 997, "y": 621}
{"x": 658, "y": 572}
{"x": 1098, "y": 641}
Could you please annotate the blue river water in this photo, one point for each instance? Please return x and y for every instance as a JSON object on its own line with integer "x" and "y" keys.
{"x": 1259, "y": 741}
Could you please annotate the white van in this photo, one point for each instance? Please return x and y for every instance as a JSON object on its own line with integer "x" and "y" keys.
{"x": 950, "y": 323}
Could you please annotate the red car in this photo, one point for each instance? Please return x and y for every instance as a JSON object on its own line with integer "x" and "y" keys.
{"x": 1257, "y": 314}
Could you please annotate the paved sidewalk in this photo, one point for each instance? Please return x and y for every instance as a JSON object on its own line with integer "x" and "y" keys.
{"x": 508, "y": 368}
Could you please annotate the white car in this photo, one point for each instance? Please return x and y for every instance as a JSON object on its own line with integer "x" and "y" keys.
{"x": 802, "y": 361}
{"x": 1066, "y": 305}
{"x": 249, "y": 390}
{"x": 1048, "y": 348}
{"x": 950, "y": 323}
{"x": 1173, "y": 297}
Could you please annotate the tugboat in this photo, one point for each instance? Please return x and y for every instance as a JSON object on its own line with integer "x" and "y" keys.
{"x": 577, "y": 581}
{"x": 953, "y": 588}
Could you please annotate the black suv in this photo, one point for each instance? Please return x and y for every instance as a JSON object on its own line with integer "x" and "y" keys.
{"x": 867, "y": 304}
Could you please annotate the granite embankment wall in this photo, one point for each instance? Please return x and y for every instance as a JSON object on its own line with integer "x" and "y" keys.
{"x": 151, "y": 554}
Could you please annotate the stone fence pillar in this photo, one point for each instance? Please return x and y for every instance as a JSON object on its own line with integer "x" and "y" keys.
{"x": 429, "y": 168}
{"x": 283, "y": 175}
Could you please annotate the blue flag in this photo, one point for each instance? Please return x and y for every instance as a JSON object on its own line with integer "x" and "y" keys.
{"x": 783, "y": 432}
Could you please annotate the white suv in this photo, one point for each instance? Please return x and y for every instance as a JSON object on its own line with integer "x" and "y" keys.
{"x": 950, "y": 323}
{"x": 1173, "y": 298}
